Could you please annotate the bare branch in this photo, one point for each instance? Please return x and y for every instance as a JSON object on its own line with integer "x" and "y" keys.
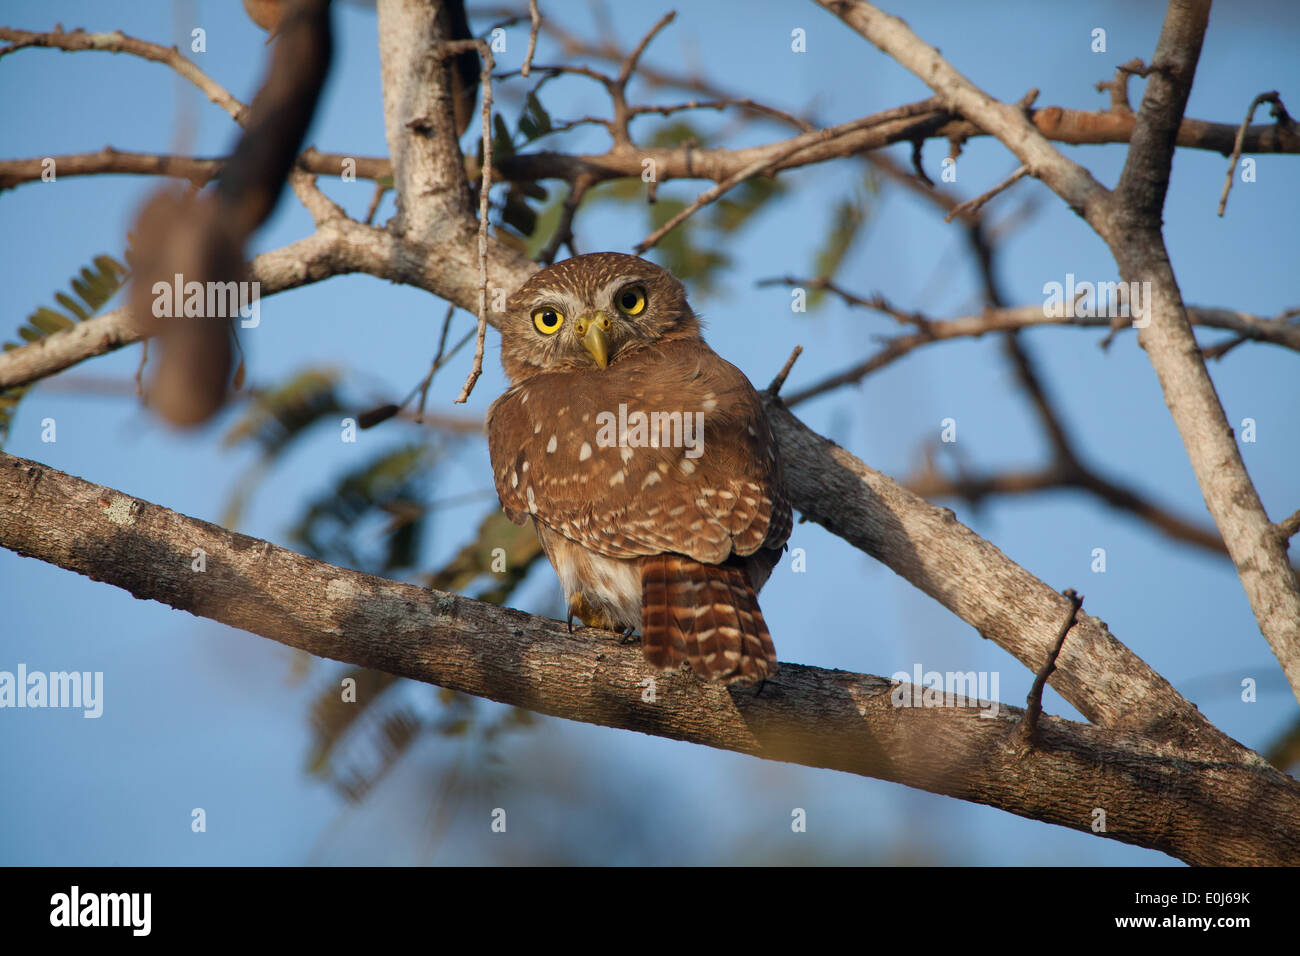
{"x": 765, "y": 163}
{"x": 535, "y": 17}
{"x": 775, "y": 388}
{"x": 484, "y": 193}
{"x": 118, "y": 42}
{"x": 199, "y": 171}
{"x": 1234, "y": 809}
{"x": 1034, "y": 709}
{"x": 433, "y": 196}
{"x": 1277, "y": 331}
{"x": 563, "y": 234}
{"x": 972, "y": 206}
{"x": 1279, "y": 111}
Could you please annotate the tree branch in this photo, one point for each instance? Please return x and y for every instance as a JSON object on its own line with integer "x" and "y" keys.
{"x": 118, "y": 42}
{"x": 1194, "y": 805}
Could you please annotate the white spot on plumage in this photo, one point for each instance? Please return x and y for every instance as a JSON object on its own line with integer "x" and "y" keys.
{"x": 584, "y": 452}
{"x": 551, "y": 445}
{"x": 514, "y": 479}
{"x": 532, "y": 501}
{"x": 617, "y": 478}
{"x": 650, "y": 479}
{"x": 687, "y": 466}
{"x": 626, "y": 454}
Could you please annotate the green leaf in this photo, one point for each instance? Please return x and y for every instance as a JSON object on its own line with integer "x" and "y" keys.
{"x": 517, "y": 214}
{"x": 93, "y": 288}
{"x": 339, "y": 525}
{"x": 48, "y": 321}
{"x": 535, "y": 121}
{"x": 846, "y": 225}
{"x": 276, "y": 416}
{"x": 502, "y": 143}
{"x": 501, "y": 553}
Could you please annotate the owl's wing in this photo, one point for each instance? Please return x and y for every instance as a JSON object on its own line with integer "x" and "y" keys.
{"x": 567, "y": 449}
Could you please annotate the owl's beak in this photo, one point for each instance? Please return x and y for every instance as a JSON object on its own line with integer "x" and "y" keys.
{"x": 591, "y": 331}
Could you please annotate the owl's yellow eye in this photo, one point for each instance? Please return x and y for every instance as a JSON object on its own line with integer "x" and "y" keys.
{"x": 631, "y": 301}
{"x": 548, "y": 321}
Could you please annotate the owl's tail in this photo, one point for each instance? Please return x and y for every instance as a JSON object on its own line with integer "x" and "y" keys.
{"x": 706, "y": 614}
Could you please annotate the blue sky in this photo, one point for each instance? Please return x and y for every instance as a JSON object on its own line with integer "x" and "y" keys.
{"x": 199, "y": 715}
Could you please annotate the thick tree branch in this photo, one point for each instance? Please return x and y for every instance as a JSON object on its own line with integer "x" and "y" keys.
{"x": 449, "y": 270}
{"x": 1074, "y": 127}
{"x": 1139, "y": 248}
{"x": 433, "y": 196}
{"x": 1193, "y": 805}
{"x": 930, "y": 548}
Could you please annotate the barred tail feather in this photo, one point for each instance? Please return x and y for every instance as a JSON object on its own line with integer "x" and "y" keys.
{"x": 706, "y": 615}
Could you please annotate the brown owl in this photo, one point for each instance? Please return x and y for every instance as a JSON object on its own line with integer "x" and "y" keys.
{"x": 645, "y": 461}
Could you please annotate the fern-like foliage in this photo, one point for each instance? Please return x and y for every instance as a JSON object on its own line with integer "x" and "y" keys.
{"x": 360, "y": 733}
{"x": 388, "y": 495}
{"x": 274, "y": 420}
{"x": 93, "y": 287}
{"x": 501, "y": 553}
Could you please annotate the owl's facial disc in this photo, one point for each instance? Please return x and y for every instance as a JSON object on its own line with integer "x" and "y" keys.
{"x": 591, "y": 330}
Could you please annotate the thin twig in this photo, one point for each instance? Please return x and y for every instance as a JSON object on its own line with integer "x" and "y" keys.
{"x": 775, "y": 388}
{"x": 118, "y": 42}
{"x": 1029, "y": 722}
{"x": 375, "y": 200}
{"x": 139, "y": 371}
{"x": 971, "y": 206}
{"x": 1288, "y": 527}
{"x": 435, "y": 364}
{"x": 564, "y": 230}
{"x": 625, "y": 72}
{"x": 485, "y": 80}
{"x": 710, "y": 195}
{"x": 1271, "y": 97}
{"x": 795, "y": 145}
{"x": 536, "y": 17}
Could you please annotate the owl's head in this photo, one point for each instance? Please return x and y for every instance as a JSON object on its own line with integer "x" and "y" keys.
{"x": 589, "y": 311}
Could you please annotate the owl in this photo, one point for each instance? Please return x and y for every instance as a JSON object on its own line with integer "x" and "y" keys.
{"x": 645, "y": 462}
